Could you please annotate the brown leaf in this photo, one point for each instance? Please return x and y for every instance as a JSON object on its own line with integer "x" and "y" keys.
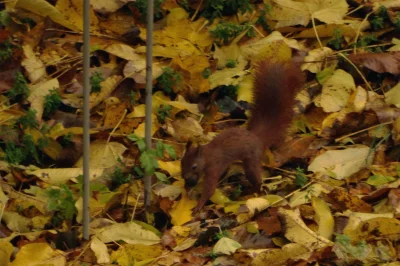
{"x": 270, "y": 225}
{"x": 342, "y": 200}
{"x": 381, "y": 63}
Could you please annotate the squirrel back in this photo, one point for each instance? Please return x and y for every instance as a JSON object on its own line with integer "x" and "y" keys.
{"x": 275, "y": 86}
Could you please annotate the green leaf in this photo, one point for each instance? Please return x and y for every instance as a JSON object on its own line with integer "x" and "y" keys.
{"x": 141, "y": 145}
{"x": 162, "y": 177}
{"x": 138, "y": 171}
{"x": 52, "y": 102}
{"x": 170, "y": 150}
{"x": 301, "y": 179}
{"x": 139, "y": 141}
{"x": 378, "y": 180}
{"x": 148, "y": 162}
{"x": 159, "y": 149}
{"x": 133, "y": 137}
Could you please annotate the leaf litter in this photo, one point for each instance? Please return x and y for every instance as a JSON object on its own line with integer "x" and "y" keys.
{"x": 334, "y": 184}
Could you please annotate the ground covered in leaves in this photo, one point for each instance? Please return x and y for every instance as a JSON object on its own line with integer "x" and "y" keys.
{"x": 334, "y": 184}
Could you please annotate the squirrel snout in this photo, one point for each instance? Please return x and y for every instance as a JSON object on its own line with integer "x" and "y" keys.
{"x": 190, "y": 181}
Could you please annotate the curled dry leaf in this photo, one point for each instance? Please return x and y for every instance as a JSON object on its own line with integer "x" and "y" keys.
{"x": 378, "y": 62}
{"x": 297, "y": 231}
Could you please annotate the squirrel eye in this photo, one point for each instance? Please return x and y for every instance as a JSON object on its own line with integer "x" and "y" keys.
{"x": 194, "y": 167}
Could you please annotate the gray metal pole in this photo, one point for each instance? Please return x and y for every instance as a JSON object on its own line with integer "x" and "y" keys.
{"x": 86, "y": 117}
{"x": 149, "y": 92}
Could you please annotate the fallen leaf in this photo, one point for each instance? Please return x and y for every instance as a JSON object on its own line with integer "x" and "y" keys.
{"x": 342, "y": 163}
{"x": 129, "y": 232}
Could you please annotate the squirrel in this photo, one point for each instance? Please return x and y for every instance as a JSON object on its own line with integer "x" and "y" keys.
{"x": 275, "y": 84}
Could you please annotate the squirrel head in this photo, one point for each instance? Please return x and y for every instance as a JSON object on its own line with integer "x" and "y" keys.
{"x": 192, "y": 164}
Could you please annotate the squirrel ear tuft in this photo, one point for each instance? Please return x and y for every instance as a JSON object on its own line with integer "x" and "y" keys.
{"x": 189, "y": 144}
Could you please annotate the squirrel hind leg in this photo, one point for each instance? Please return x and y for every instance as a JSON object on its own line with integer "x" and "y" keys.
{"x": 252, "y": 168}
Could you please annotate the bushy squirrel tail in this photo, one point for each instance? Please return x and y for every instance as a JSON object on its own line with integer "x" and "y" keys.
{"x": 275, "y": 86}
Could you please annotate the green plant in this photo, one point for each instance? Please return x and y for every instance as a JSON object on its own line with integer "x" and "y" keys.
{"x": 359, "y": 251}
{"x": 132, "y": 96}
{"x": 231, "y": 63}
{"x": 52, "y": 102}
{"x": 61, "y": 200}
{"x": 5, "y": 18}
{"x": 13, "y": 153}
{"x": 118, "y": 178}
{"x": 337, "y": 39}
{"x": 262, "y": 19}
{"x": 169, "y": 79}
{"x": 163, "y": 111}
{"x": 397, "y": 21}
{"x": 67, "y": 140}
{"x": 226, "y": 31}
{"x": 309, "y": 193}
{"x": 236, "y": 193}
{"x": 367, "y": 40}
{"x": 16, "y": 154}
{"x": 45, "y": 129}
{"x": 19, "y": 88}
{"x": 218, "y": 8}
{"x": 148, "y": 157}
{"x": 378, "y": 21}
{"x": 230, "y": 91}
{"x": 94, "y": 186}
{"x": 213, "y": 255}
{"x": 28, "y": 120}
{"x": 29, "y": 147}
{"x": 301, "y": 179}
{"x": 206, "y": 73}
{"x": 95, "y": 80}
{"x": 141, "y": 5}
{"x": 6, "y": 51}
{"x": 43, "y": 143}
{"x": 221, "y": 234}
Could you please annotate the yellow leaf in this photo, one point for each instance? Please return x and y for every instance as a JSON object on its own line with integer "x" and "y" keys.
{"x": 219, "y": 198}
{"x": 136, "y": 69}
{"x": 277, "y": 257}
{"x": 340, "y": 164}
{"x": 136, "y": 254}
{"x": 139, "y": 131}
{"x": 6, "y": 249}
{"x": 226, "y": 246}
{"x": 228, "y": 76}
{"x": 130, "y": 232}
{"x": 355, "y": 218}
{"x": 52, "y": 149}
{"x": 192, "y": 68}
{"x": 45, "y": 9}
{"x": 72, "y": 10}
{"x": 9, "y": 116}
{"x": 107, "y": 87}
{"x": 172, "y": 167}
{"x": 34, "y": 67}
{"x": 323, "y": 217}
{"x": 298, "y": 232}
{"x": 44, "y": 254}
{"x": 16, "y": 222}
{"x": 56, "y": 176}
{"x": 245, "y": 90}
{"x": 381, "y": 227}
{"x": 38, "y": 93}
{"x": 59, "y": 130}
{"x": 316, "y": 58}
{"x": 104, "y": 154}
{"x": 181, "y": 210}
{"x": 100, "y": 251}
{"x": 336, "y": 91}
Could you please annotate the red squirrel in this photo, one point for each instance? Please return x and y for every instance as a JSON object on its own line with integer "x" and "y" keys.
{"x": 275, "y": 86}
